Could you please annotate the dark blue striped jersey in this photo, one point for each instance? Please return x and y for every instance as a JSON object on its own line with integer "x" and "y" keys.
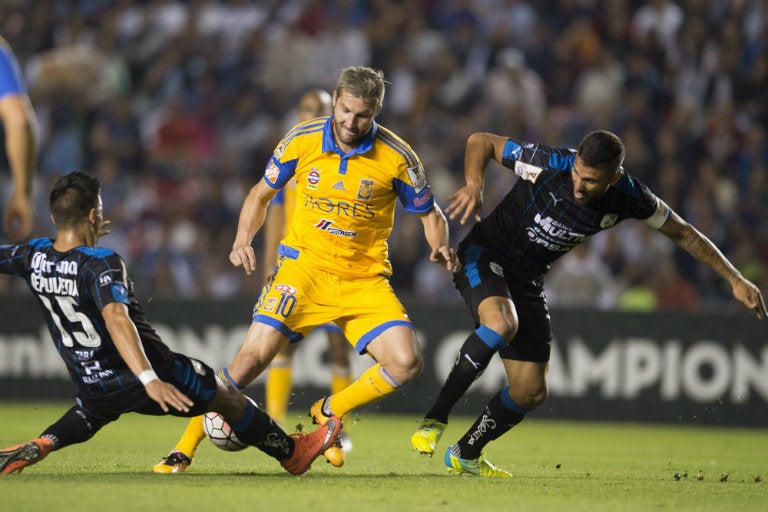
{"x": 538, "y": 220}
{"x": 72, "y": 288}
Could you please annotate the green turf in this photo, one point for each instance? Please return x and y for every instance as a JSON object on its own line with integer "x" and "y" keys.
{"x": 558, "y": 465}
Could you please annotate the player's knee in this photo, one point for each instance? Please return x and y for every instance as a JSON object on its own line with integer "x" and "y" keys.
{"x": 405, "y": 367}
{"x": 504, "y": 324}
{"x": 530, "y": 398}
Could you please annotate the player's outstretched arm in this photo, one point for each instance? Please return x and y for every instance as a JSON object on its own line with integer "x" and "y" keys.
{"x": 273, "y": 230}
{"x": 691, "y": 240}
{"x": 252, "y": 215}
{"x": 468, "y": 200}
{"x": 123, "y": 332}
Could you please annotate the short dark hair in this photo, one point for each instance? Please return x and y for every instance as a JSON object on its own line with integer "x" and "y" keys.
{"x": 72, "y": 197}
{"x": 602, "y": 150}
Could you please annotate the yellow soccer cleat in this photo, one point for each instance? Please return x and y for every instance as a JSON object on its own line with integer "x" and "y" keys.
{"x": 334, "y": 454}
{"x": 480, "y": 466}
{"x": 175, "y": 462}
{"x": 426, "y": 437}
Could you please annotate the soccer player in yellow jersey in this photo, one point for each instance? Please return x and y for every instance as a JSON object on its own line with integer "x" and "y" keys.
{"x": 312, "y": 104}
{"x": 333, "y": 262}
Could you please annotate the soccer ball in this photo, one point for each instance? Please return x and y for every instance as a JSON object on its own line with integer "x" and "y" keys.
{"x": 221, "y": 434}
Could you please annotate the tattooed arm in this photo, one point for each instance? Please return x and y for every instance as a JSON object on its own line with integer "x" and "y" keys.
{"x": 691, "y": 240}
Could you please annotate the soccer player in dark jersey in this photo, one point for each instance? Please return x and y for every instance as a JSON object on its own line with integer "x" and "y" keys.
{"x": 561, "y": 198}
{"x": 113, "y": 355}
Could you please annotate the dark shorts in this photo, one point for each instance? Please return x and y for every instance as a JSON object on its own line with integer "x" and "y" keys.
{"x": 481, "y": 276}
{"x": 194, "y": 378}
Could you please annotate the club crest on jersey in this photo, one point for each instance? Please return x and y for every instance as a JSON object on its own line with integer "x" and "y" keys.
{"x": 608, "y": 220}
{"x": 272, "y": 172}
{"x": 365, "y": 190}
{"x": 418, "y": 177}
{"x": 527, "y": 171}
{"x": 313, "y": 178}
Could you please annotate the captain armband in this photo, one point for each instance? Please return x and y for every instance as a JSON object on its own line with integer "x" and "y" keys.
{"x": 660, "y": 216}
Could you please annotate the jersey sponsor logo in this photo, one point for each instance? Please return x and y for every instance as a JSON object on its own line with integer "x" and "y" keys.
{"x": 313, "y": 178}
{"x": 496, "y": 268}
{"x": 486, "y": 425}
{"x": 423, "y": 199}
{"x": 340, "y": 208}
{"x": 83, "y": 354}
{"x": 105, "y": 278}
{"x": 326, "y": 225}
{"x": 290, "y": 290}
{"x": 365, "y": 190}
{"x": 92, "y": 372}
{"x": 40, "y": 264}
{"x": 608, "y": 220}
{"x": 418, "y": 177}
{"x": 339, "y": 186}
{"x": 527, "y": 171}
{"x": 554, "y": 235}
{"x": 272, "y": 172}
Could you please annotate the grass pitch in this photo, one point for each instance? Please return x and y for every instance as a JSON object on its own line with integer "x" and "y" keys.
{"x": 558, "y": 466}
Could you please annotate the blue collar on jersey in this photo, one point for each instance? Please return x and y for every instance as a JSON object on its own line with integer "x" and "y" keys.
{"x": 329, "y": 143}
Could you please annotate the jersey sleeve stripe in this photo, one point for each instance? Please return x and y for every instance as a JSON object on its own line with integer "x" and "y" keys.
{"x": 396, "y": 143}
{"x": 304, "y": 128}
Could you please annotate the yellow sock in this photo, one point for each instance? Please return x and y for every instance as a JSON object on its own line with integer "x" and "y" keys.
{"x": 277, "y": 389}
{"x": 192, "y": 436}
{"x": 340, "y": 380}
{"x": 372, "y": 385}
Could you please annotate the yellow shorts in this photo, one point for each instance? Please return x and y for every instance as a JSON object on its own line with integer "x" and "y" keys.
{"x": 297, "y": 298}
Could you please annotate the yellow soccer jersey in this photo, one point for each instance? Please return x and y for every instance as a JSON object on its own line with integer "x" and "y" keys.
{"x": 345, "y": 203}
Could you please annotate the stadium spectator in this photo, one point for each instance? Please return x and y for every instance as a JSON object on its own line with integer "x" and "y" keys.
{"x": 174, "y": 50}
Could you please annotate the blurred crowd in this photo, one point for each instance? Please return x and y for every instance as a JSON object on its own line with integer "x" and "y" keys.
{"x": 176, "y": 105}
